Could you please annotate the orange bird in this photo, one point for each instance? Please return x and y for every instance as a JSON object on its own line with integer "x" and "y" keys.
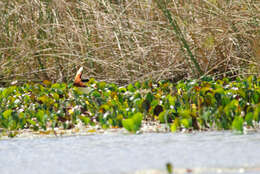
{"x": 77, "y": 80}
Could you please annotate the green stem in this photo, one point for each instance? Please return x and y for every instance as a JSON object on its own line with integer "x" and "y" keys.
{"x": 179, "y": 34}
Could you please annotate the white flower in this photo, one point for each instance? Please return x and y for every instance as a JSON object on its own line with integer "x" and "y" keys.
{"x": 105, "y": 115}
{"x": 17, "y": 101}
{"x": 132, "y": 98}
{"x": 20, "y": 110}
{"x": 235, "y": 88}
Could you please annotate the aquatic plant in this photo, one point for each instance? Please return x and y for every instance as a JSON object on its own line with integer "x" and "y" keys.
{"x": 195, "y": 105}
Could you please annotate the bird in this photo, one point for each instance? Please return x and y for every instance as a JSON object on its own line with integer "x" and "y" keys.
{"x": 78, "y": 81}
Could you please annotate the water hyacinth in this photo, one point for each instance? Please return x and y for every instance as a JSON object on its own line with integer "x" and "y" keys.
{"x": 194, "y": 105}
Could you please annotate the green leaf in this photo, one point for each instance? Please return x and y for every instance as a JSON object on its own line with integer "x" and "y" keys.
{"x": 175, "y": 125}
{"x": 138, "y": 117}
{"x": 138, "y": 85}
{"x": 128, "y": 124}
{"x": 40, "y": 115}
{"x": 31, "y": 122}
{"x": 44, "y": 99}
{"x": 122, "y": 90}
{"x": 257, "y": 113}
{"x": 105, "y": 107}
{"x": 154, "y": 103}
{"x": 150, "y": 97}
{"x": 134, "y": 123}
{"x": 96, "y": 94}
{"x": 169, "y": 168}
{"x": 249, "y": 118}
{"x": 56, "y": 96}
{"x": 7, "y": 113}
{"x": 56, "y": 85}
{"x": 163, "y": 116}
{"x": 185, "y": 122}
{"x": 131, "y": 88}
{"x": 237, "y": 124}
{"x": 85, "y": 120}
{"x": 171, "y": 100}
{"x": 256, "y": 97}
{"x": 101, "y": 85}
{"x": 185, "y": 113}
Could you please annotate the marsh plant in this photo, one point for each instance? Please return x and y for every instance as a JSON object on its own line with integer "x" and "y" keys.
{"x": 187, "y": 105}
{"x": 123, "y": 41}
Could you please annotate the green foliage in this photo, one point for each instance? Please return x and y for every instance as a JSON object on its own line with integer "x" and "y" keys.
{"x": 237, "y": 124}
{"x": 134, "y": 123}
{"x": 205, "y": 104}
{"x": 169, "y": 168}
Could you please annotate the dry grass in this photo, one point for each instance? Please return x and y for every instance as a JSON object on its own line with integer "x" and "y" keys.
{"x": 127, "y": 40}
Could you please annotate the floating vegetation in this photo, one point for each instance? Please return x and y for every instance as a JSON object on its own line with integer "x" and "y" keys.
{"x": 190, "y": 105}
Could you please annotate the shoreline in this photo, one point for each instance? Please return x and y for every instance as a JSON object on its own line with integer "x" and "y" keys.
{"x": 80, "y": 130}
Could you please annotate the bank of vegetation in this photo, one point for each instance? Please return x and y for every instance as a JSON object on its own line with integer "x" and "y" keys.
{"x": 151, "y": 48}
{"x": 192, "y": 105}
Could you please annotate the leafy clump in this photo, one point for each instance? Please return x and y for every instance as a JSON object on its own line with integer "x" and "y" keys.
{"x": 199, "y": 105}
{"x": 133, "y": 124}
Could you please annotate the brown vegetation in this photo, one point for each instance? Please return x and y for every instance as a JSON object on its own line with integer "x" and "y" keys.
{"x": 127, "y": 40}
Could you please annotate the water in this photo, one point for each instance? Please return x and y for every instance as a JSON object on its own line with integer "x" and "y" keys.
{"x": 119, "y": 153}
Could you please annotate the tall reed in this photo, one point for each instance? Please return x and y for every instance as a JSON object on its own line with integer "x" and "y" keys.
{"x": 184, "y": 44}
{"x": 126, "y": 41}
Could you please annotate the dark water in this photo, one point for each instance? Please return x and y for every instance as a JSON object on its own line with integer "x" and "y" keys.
{"x": 120, "y": 153}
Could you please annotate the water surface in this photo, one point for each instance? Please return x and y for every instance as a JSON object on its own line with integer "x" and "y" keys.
{"x": 120, "y": 153}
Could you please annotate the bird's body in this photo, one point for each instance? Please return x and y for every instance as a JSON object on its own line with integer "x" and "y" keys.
{"x": 77, "y": 80}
